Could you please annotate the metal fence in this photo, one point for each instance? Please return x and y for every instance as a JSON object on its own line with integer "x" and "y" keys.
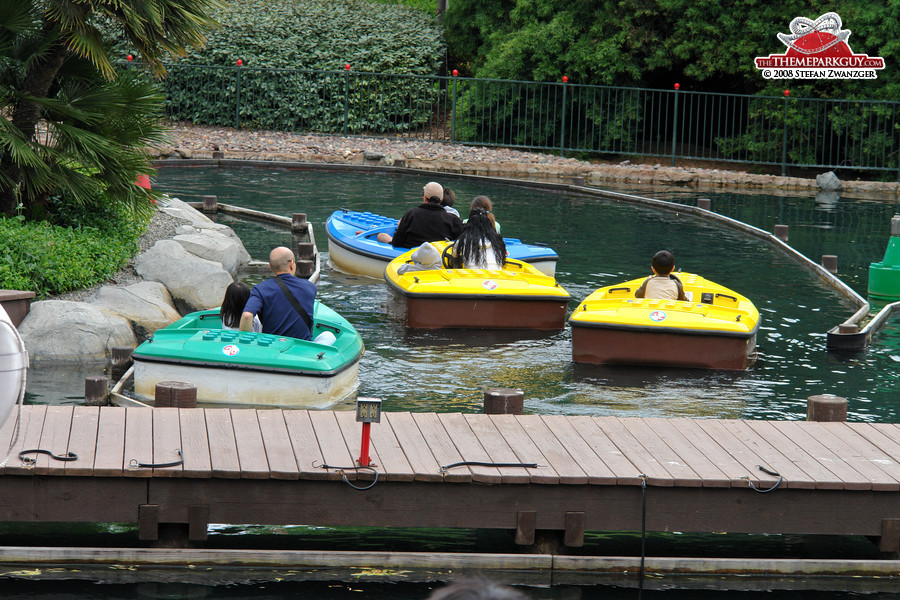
{"x": 556, "y": 117}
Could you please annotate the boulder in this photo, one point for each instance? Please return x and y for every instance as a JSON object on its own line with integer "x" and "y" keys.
{"x": 147, "y": 306}
{"x": 195, "y": 283}
{"x": 213, "y": 246}
{"x": 184, "y": 212}
{"x": 828, "y": 182}
{"x": 63, "y": 331}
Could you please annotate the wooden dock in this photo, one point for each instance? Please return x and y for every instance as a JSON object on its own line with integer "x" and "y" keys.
{"x": 588, "y": 473}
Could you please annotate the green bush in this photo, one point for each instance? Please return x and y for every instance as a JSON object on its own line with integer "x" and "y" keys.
{"x": 53, "y": 259}
{"x": 292, "y": 76}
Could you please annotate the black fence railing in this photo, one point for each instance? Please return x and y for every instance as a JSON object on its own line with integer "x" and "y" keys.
{"x": 552, "y": 117}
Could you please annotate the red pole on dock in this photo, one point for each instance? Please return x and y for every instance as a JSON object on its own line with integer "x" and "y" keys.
{"x": 363, "y": 459}
{"x": 368, "y": 411}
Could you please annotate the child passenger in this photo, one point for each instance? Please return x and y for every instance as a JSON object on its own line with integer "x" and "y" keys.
{"x": 236, "y": 296}
{"x": 662, "y": 284}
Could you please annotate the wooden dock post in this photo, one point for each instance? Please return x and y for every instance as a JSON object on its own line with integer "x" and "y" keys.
{"x": 298, "y": 222}
{"x": 177, "y": 394}
{"x": 504, "y": 401}
{"x": 829, "y": 261}
{"x": 96, "y": 391}
{"x": 210, "y": 204}
{"x": 826, "y": 407}
{"x": 704, "y": 203}
{"x": 120, "y": 360}
{"x": 306, "y": 250}
{"x": 781, "y": 232}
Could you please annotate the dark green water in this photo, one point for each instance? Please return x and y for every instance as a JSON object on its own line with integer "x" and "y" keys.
{"x": 599, "y": 242}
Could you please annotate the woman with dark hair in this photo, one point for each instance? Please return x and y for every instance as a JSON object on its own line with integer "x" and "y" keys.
{"x": 479, "y": 246}
{"x": 236, "y": 296}
{"x": 484, "y": 203}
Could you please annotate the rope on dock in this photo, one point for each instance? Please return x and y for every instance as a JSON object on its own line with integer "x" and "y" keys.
{"x": 30, "y": 461}
{"x": 769, "y": 472}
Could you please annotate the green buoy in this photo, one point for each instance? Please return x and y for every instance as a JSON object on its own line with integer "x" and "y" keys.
{"x": 884, "y": 276}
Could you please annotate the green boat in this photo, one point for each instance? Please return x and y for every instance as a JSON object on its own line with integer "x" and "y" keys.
{"x": 259, "y": 369}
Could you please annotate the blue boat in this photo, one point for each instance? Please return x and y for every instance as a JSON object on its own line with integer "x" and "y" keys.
{"x": 353, "y": 245}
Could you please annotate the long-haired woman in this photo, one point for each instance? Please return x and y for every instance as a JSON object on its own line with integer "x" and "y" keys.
{"x": 236, "y": 296}
{"x": 479, "y": 246}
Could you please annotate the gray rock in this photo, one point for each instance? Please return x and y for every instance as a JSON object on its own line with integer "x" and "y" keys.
{"x": 184, "y": 212}
{"x": 147, "y": 306}
{"x": 215, "y": 247}
{"x": 195, "y": 283}
{"x": 828, "y": 182}
{"x": 373, "y": 155}
{"x": 62, "y": 331}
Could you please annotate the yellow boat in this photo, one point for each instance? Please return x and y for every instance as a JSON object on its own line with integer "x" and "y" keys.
{"x": 517, "y": 297}
{"x": 715, "y": 329}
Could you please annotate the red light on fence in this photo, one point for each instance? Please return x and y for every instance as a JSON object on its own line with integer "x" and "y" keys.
{"x": 455, "y": 72}
{"x": 565, "y": 79}
{"x": 347, "y": 67}
{"x": 677, "y": 86}
{"x": 239, "y": 62}
{"x": 129, "y": 58}
{"x": 787, "y": 92}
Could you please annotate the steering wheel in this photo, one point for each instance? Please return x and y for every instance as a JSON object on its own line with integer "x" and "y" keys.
{"x": 447, "y": 257}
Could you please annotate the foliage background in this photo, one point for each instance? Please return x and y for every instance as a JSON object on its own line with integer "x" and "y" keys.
{"x": 704, "y": 45}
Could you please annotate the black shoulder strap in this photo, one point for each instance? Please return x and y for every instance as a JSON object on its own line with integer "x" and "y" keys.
{"x": 293, "y": 300}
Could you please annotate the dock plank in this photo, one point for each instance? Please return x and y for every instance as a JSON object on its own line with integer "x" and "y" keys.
{"x": 335, "y": 452}
{"x": 710, "y": 475}
{"x": 352, "y": 432}
{"x": 525, "y": 449}
{"x": 194, "y": 443}
{"x": 637, "y": 454}
{"x": 441, "y": 445}
{"x": 251, "y": 450}
{"x": 166, "y": 442}
{"x": 55, "y": 438}
{"x": 497, "y": 448}
{"x": 414, "y": 446}
{"x": 138, "y": 442}
{"x": 394, "y": 463}
{"x": 748, "y": 460}
{"x": 771, "y": 455}
{"x": 470, "y": 450}
{"x": 817, "y": 476}
{"x": 28, "y": 437}
{"x": 306, "y": 446}
{"x": 682, "y": 474}
{"x": 9, "y": 428}
{"x": 849, "y": 478}
{"x": 880, "y": 438}
{"x": 589, "y": 430}
{"x": 224, "y": 461}
{"x": 716, "y": 454}
{"x": 278, "y": 448}
{"x": 109, "y": 460}
{"x": 854, "y": 451}
{"x": 83, "y": 440}
{"x": 598, "y": 473}
{"x": 566, "y": 466}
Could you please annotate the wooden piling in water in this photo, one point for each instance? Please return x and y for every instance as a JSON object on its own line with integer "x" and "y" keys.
{"x": 504, "y": 401}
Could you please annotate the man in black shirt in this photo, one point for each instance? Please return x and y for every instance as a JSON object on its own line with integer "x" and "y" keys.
{"x": 427, "y": 222}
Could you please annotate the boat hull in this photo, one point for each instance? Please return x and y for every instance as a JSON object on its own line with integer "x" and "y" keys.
{"x": 715, "y": 328}
{"x": 430, "y": 312}
{"x": 595, "y": 345}
{"x": 246, "y": 368}
{"x": 353, "y": 245}
{"x": 518, "y": 296}
{"x": 232, "y": 386}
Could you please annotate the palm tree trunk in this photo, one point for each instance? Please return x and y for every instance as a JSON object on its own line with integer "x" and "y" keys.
{"x": 25, "y": 117}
